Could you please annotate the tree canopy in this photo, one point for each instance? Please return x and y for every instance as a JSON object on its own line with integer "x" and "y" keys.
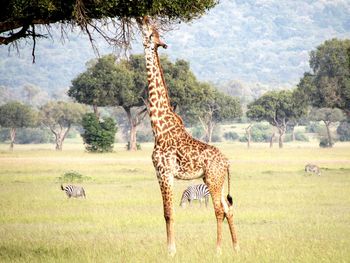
{"x": 328, "y": 85}
{"x": 15, "y": 115}
{"x": 19, "y": 19}
{"x": 59, "y": 116}
{"x": 328, "y": 116}
{"x": 278, "y": 108}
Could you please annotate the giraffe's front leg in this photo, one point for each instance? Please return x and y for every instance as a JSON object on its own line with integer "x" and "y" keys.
{"x": 166, "y": 187}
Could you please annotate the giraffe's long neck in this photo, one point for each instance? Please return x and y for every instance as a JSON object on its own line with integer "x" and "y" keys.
{"x": 160, "y": 110}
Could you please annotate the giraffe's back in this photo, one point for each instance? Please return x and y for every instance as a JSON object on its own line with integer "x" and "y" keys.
{"x": 193, "y": 157}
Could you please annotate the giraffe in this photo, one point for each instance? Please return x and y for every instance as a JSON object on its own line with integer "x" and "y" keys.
{"x": 176, "y": 153}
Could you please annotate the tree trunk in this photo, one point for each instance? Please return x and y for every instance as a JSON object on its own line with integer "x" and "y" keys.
{"x": 271, "y": 139}
{"x": 133, "y": 140}
{"x": 96, "y": 110}
{"x": 132, "y": 131}
{"x": 280, "y": 141}
{"x": 281, "y": 132}
{"x": 249, "y": 135}
{"x": 12, "y": 137}
{"x": 60, "y": 136}
{"x": 210, "y": 129}
{"x": 330, "y": 142}
{"x": 58, "y": 142}
{"x": 293, "y": 134}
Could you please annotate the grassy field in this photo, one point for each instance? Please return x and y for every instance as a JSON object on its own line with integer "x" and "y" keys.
{"x": 281, "y": 214}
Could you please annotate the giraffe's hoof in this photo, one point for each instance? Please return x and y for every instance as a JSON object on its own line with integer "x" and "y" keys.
{"x": 172, "y": 251}
{"x": 218, "y": 251}
{"x": 236, "y": 247}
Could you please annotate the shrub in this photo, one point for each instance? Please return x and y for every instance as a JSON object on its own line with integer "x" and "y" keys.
{"x": 324, "y": 143}
{"x": 138, "y": 146}
{"x": 313, "y": 127}
{"x": 259, "y": 133}
{"x": 231, "y": 136}
{"x": 73, "y": 176}
{"x": 144, "y": 136}
{"x": 299, "y": 136}
{"x": 28, "y": 135}
{"x": 343, "y": 131}
{"x": 98, "y": 135}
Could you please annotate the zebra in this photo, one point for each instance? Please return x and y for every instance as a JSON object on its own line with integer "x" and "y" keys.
{"x": 195, "y": 192}
{"x": 312, "y": 168}
{"x": 73, "y": 191}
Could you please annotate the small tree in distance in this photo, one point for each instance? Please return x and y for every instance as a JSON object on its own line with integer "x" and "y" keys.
{"x": 15, "y": 115}
{"x": 328, "y": 116}
{"x": 278, "y": 108}
{"x": 59, "y": 116}
{"x": 98, "y": 134}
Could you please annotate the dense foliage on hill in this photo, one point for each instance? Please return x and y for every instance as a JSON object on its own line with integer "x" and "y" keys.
{"x": 251, "y": 41}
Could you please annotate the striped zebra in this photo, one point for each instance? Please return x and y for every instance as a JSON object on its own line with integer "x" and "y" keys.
{"x": 312, "y": 168}
{"x": 73, "y": 191}
{"x": 195, "y": 192}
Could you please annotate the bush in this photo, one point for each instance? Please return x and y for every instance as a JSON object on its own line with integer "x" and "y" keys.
{"x": 28, "y": 135}
{"x": 324, "y": 143}
{"x": 98, "y": 135}
{"x": 144, "y": 136}
{"x": 343, "y": 131}
{"x": 138, "y": 146}
{"x": 72, "y": 176}
{"x": 299, "y": 136}
{"x": 313, "y": 127}
{"x": 231, "y": 136}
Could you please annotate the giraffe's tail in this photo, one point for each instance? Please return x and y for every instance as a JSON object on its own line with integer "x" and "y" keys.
{"x": 229, "y": 197}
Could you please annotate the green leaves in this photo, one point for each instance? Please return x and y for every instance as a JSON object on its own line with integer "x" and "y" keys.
{"x": 276, "y": 107}
{"x": 17, "y": 115}
{"x": 329, "y": 85}
{"x": 98, "y": 134}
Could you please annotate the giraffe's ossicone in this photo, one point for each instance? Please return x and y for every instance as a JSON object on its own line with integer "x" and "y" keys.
{"x": 176, "y": 153}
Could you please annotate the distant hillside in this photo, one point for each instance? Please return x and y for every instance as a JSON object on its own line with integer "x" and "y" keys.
{"x": 262, "y": 41}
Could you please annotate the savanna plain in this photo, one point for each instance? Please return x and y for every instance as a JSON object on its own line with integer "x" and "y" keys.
{"x": 281, "y": 214}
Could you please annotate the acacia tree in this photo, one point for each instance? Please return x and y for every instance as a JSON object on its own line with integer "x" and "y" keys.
{"x": 328, "y": 84}
{"x": 216, "y": 108}
{"x": 109, "y": 82}
{"x": 95, "y": 86}
{"x": 59, "y": 116}
{"x": 277, "y": 108}
{"x": 114, "y": 20}
{"x": 328, "y": 116}
{"x": 15, "y": 115}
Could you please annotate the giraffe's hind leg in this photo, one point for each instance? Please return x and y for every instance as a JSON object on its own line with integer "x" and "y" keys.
{"x": 229, "y": 217}
{"x": 221, "y": 208}
{"x": 215, "y": 188}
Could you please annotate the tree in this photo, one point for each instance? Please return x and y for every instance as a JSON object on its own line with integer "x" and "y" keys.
{"x": 109, "y": 82}
{"x": 328, "y": 116}
{"x": 20, "y": 19}
{"x": 328, "y": 85}
{"x": 59, "y": 117}
{"x": 95, "y": 86}
{"x": 123, "y": 83}
{"x": 278, "y": 108}
{"x": 98, "y": 134}
{"x": 15, "y": 115}
{"x": 217, "y": 108}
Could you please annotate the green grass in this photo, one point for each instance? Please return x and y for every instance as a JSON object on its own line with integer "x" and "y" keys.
{"x": 281, "y": 214}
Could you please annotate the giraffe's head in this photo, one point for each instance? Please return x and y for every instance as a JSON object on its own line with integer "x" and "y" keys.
{"x": 151, "y": 34}
{"x": 154, "y": 38}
